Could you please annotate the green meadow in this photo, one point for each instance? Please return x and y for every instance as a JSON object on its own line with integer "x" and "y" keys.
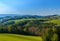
{"x": 16, "y": 37}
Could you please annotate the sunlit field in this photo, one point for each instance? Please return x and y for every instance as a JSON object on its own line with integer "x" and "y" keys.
{"x": 15, "y": 37}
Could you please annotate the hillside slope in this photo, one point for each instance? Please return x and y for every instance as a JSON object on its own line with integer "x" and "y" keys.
{"x": 15, "y": 37}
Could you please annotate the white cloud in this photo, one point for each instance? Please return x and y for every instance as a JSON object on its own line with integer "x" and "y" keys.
{"x": 47, "y": 11}
{"x": 42, "y": 11}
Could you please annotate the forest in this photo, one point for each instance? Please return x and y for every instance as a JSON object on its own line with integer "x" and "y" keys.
{"x": 47, "y": 27}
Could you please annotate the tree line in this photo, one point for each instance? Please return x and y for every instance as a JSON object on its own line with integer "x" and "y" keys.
{"x": 48, "y": 31}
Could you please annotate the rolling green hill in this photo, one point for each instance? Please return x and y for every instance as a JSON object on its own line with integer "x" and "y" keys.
{"x": 15, "y": 37}
{"x": 57, "y": 21}
{"x": 47, "y": 27}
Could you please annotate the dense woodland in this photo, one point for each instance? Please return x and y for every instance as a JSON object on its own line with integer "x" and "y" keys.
{"x": 32, "y": 25}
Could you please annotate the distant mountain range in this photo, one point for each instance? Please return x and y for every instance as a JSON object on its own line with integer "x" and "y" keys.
{"x": 34, "y": 16}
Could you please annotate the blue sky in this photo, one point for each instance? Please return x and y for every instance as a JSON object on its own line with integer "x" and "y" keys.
{"x": 30, "y": 7}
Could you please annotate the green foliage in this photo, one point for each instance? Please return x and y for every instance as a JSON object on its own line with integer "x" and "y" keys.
{"x": 54, "y": 37}
{"x": 47, "y": 28}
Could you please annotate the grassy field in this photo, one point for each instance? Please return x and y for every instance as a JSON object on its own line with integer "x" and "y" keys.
{"x": 55, "y": 21}
{"x": 15, "y": 37}
{"x": 26, "y": 19}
